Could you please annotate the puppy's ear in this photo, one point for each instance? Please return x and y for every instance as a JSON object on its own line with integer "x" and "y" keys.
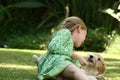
{"x": 101, "y": 68}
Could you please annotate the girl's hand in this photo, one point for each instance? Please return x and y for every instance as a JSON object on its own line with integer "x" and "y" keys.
{"x": 82, "y": 61}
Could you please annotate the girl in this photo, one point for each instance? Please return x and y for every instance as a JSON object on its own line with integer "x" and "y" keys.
{"x": 60, "y": 57}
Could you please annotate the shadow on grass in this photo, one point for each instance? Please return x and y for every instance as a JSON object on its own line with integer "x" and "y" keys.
{"x": 112, "y": 62}
{"x": 17, "y": 74}
{"x": 113, "y": 71}
{"x": 111, "y": 59}
{"x": 113, "y": 68}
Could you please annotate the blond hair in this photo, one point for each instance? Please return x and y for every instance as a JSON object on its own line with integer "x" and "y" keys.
{"x": 73, "y": 22}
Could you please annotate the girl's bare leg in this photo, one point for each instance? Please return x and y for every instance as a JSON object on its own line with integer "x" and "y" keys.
{"x": 73, "y": 72}
{"x": 92, "y": 78}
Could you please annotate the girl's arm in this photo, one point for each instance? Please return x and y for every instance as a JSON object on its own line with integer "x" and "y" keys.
{"x": 80, "y": 58}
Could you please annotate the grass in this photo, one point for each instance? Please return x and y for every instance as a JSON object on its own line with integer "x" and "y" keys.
{"x": 16, "y": 64}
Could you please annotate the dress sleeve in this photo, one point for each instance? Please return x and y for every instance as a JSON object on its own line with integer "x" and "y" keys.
{"x": 59, "y": 43}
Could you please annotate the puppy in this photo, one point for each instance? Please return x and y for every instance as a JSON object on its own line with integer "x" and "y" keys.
{"x": 96, "y": 66}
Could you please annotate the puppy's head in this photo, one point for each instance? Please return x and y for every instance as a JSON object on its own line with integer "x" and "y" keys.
{"x": 97, "y": 61}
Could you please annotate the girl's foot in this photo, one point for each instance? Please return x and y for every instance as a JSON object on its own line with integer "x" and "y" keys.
{"x": 35, "y": 59}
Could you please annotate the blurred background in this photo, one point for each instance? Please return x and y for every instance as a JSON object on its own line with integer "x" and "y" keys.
{"x": 29, "y": 24}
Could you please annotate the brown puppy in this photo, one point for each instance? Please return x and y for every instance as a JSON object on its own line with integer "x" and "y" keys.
{"x": 96, "y": 66}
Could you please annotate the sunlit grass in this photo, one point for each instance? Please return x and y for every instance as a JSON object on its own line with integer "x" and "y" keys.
{"x": 25, "y": 67}
{"x": 24, "y": 50}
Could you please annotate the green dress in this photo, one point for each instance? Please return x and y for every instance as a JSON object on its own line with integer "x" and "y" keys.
{"x": 58, "y": 56}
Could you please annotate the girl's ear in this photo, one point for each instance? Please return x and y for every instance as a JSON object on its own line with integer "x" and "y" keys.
{"x": 79, "y": 28}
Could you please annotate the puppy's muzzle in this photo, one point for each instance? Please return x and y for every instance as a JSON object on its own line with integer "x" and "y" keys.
{"x": 90, "y": 58}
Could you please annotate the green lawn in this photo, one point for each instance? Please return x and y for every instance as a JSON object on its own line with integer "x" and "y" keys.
{"x": 16, "y": 64}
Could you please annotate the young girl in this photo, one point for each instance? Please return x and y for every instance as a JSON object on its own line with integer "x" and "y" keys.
{"x": 60, "y": 57}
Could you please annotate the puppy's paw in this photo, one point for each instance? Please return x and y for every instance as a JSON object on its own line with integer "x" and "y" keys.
{"x": 100, "y": 77}
{"x": 84, "y": 63}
